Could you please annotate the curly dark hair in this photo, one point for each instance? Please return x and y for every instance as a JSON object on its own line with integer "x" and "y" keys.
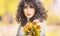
{"x": 40, "y": 12}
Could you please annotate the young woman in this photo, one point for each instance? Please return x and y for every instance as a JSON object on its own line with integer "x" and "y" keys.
{"x": 31, "y": 10}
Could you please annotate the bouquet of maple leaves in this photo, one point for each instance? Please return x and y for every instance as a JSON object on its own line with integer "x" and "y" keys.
{"x": 32, "y": 29}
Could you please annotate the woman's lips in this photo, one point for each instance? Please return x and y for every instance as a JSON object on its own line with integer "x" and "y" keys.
{"x": 28, "y": 14}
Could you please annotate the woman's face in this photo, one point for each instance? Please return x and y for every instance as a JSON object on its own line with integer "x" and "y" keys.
{"x": 29, "y": 11}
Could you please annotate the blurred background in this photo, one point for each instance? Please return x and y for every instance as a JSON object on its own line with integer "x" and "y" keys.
{"x": 8, "y": 24}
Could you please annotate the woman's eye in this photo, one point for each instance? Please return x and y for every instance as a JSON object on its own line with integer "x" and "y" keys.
{"x": 25, "y": 7}
{"x": 31, "y": 7}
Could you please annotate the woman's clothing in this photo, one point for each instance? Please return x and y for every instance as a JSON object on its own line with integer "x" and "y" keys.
{"x": 42, "y": 33}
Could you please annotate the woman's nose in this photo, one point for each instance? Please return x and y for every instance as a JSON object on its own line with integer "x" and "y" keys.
{"x": 28, "y": 10}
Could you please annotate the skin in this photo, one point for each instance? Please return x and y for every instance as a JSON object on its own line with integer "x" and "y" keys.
{"x": 29, "y": 11}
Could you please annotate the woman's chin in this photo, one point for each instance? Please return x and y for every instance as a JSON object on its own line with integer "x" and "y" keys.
{"x": 29, "y": 17}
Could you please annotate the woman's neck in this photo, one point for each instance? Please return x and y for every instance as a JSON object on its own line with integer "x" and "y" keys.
{"x": 28, "y": 19}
